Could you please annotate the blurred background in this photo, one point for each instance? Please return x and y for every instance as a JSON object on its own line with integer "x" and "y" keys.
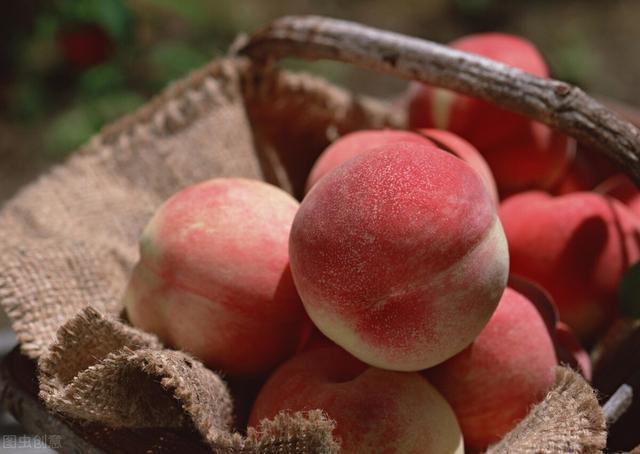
{"x": 67, "y": 67}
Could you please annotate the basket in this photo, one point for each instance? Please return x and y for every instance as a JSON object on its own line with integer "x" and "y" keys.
{"x": 69, "y": 240}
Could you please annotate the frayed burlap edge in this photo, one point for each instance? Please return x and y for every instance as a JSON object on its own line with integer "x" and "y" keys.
{"x": 100, "y": 370}
{"x": 568, "y": 420}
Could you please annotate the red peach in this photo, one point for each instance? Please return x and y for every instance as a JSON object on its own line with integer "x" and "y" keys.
{"x": 576, "y": 247}
{"x": 537, "y": 157}
{"x": 376, "y": 411}
{"x": 569, "y": 343}
{"x": 492, "y": 384}
{"x": 456, "y": 145}
{"x": 584, "y": 173}
{"x": 398, "y": 256}
{"x": 521, "y": 153}
{"x": 620, "y": 187}
{"x": 351, "y": 145}
{"x": 213, "y": 277}
{"x": 481, "y": 123}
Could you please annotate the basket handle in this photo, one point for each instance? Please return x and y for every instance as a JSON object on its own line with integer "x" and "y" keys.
{"x": 558, "y": 104}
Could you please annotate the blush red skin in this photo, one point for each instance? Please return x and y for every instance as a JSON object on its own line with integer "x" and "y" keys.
{"x": 522, "y": 154}
{"x": 351, "y": 145}
{"x": 214, "y": 273}
{"x": 621, "y": 188}
{"x": 376, "y": 411}
{"x": 376, "y": 243}
{"x": 567, "y": 340}
{"x": 537, "y": 157}
{"x": 481, "y": 123}
{"x": 587, "y": 170}
{"x": 509, "y": 367}
{"x": 464, "y": 150}
{"x": 576, "y": 247}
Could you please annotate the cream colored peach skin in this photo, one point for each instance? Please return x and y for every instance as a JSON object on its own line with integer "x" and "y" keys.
{"x": 214, "y": 279}
{"x": 376, "y": 411}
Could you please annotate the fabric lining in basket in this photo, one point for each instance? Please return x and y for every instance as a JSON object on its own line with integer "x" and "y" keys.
{"x": 69, "y": 240}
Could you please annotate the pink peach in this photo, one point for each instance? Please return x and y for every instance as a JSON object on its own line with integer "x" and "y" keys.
{"x": 521, "y": 153}
{"x": 509, "y": 367}
{"x": 351, "y": 145}
{"x": 588, "y": 169}
{"x": 621, "y": 187}
{"x": 398, "y": 256}
{"x": 576, "y": 247}
{"x": 481, "y": 123}
{"x": 213, "y": 277}
{"x": 569, "y": 343}
{"x": 456, "y": 145}
{"x": 376, "y": 411}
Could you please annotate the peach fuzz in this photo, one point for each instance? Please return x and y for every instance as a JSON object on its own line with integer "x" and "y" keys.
{"x": 351, "y": 145}
{"x": 456, "y": 145}
{"x": 521, "y": 153}
{"x": 509, "y": 367}
{"x": 399, "y": 257}
{"x": 376, "y": 411}
{"x": 576, "y": 247}
{"x": 213, "y": 277}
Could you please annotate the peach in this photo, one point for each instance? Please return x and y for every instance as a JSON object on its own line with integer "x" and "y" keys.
{"x": 521, "y": 153}
{"x": 456, "y": 145}
{"x": 588, "y": 169}
{"x": 351, "y": 145}
{"x": 576, "y": 247}
{"x": 481, "y": 123}
{"x": 376, "y": 411}
{"x": 398, "y": 256}
{"x": 492, "y": 384}
{"x": 568, "y": 348}
{"x": 620, "y": 187}
{"x": 569, "y": 344}
{"x": 213, "y": 277}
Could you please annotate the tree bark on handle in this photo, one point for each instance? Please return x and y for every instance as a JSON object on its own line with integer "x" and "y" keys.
{"x": 557, "y": 104}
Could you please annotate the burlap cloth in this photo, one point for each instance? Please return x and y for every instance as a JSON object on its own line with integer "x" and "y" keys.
{"x": 69, "y": 240}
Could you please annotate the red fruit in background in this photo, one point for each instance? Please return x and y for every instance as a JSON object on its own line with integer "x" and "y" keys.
{"x": 376, "y": 411}
{"x": 576, "y": 247}
{"x": 585, "y": 172}
{"x": 621, "y": 187}
{"x": 522, "y": 154}
{"x": 492, "y": 384}
{"x": 353, "y": 144}
{"x": 85, "y": 46}
{"x": 568, "y": 348}
{"x": 456, "y": 145}
{"x": 569, "y": 343}
{"x": 535, "y": 158}
{"x": 481, "y": 123}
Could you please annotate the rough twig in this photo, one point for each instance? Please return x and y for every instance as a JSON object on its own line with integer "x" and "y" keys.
{"x": 558, "y": 104}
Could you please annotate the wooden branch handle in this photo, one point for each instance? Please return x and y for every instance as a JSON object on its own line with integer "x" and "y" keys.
{"x": 557, "y": 104}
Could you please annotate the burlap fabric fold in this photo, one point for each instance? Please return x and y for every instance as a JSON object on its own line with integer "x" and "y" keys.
{"x": 69, "y": 240}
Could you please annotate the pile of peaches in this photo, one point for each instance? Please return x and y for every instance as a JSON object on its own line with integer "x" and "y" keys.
{"x": 425, "y": 288}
